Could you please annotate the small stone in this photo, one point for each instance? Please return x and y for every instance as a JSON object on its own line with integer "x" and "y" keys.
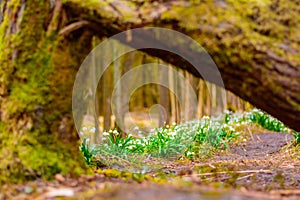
{"x": 28, "y": 190}
{"x": 60, "y": 178}
{"x": 62, "y": 192}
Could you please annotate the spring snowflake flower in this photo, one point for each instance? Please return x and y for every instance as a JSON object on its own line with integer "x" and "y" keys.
{"x": 105, "y": 133}
{"x": 172, "y": 133}
{"x": 140, "y": 135}
{"x": 93, "y": 130}
{"x": 231, "y": 128}
{"x": 190, "y": 153}
{"x": 244, "y": 123}
{"x": 225, "y": 126}
{"x": 84, "y": 128}
{"x": 115, "y": 132}
{"x": 205, "y": 118}
{"x": 152, "y": 130}
{"x": 138, "y": 142}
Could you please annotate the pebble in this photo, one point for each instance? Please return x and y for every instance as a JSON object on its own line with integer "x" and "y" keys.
{"x": 60, "y": 178}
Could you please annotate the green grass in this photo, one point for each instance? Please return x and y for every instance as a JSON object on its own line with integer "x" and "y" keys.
{"x": 194, "y": 139}
{"x": 262, "y": 119}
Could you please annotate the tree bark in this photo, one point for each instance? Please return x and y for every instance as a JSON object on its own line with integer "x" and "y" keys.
{"x": 37, "y": 71}
{"x": 164, "y": 99}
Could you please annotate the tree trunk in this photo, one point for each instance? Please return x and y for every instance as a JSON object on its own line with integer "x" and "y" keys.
{"x": 172, "y": 96}
{"x": 118, "y": 66}
{"x": 107, "y": 91}
{"x": 200, "y": 99}
{"x": 37, "y": 71}
{"x": 186, "y": 93}
{"x": 164, "y": 98}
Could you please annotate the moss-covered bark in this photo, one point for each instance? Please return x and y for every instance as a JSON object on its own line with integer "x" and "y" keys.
{"x": 37, "y": 71}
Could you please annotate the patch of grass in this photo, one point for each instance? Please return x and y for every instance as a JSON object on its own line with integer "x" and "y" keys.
{"x": 266, "y": 121}
{"x": 262, "y": 119}
{"x": 297, "y": 137}
{"x": 88, "y": 152}
{"x": 191, "y": 140}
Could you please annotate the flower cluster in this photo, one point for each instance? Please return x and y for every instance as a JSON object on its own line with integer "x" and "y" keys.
{"x": 190, "y": 139}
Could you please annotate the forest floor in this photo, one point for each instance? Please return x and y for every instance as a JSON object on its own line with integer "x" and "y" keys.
{"x": 266, "y": 166}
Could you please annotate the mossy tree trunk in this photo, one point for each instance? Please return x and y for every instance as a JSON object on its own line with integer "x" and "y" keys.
{"x": 37, "y": 71}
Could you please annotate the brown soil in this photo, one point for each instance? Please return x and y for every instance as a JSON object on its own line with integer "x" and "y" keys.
{"x": 267, "y": 166}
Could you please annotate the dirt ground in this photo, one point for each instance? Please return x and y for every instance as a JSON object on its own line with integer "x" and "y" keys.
{"x": 267, "y": 166}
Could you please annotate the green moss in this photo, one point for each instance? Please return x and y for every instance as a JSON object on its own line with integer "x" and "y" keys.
{"x": 34, "y": 102}
{"x": 30, "y": 156}
{"x": 138, "y": 177}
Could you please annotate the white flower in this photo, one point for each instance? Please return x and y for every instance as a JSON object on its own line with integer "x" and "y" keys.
{"x": 206, "y": 118}
{"x": 84, "y": 128}
{"x": 119, "y": 145}
{"x": 105, "y": 133}
{"x": 190, "y": 153}
{"x": 115, "y": 132}
{"x": 140, "y": 135}
{"x": 136, "y": 128}
{"x": 130, "y": 147}
{"x": 110, "y": 131}
{"x": 93, "y": 130}
{"x": 129, "y": 135}
{"x": 231, "y": 128}
{"x": 152, "y": 130}
{"x": 172, "y": 133}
